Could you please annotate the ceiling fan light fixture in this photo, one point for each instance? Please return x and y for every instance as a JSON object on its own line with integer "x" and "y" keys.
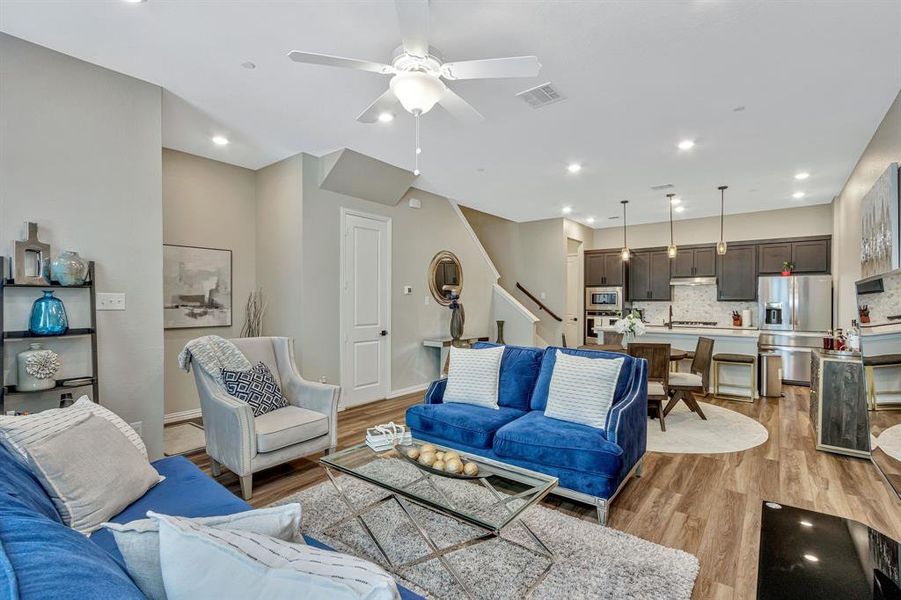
{"x": 417, "y": 91}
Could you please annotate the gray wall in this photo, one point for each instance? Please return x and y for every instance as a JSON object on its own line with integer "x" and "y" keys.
{"x": 884, "y": 148}
{"x": 80, "y": 148}
{"x": 209, "y": 204}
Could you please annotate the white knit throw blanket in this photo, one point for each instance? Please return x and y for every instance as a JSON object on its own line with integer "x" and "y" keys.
{"x": 213, "y": 353}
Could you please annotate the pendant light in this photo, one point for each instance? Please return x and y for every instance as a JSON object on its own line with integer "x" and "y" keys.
{"x": 625, "y": 251}
{"x": 721, "y": 246}
{"x": 671, "y": 250}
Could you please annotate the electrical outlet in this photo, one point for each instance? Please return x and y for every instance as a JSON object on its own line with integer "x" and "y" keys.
{"x": 138, "y": 426}
{"x": 107, "y": 301}
{"x": 408, "y": 289}
{"x": 323, "y": 379}
{"x": 426, "y": 302}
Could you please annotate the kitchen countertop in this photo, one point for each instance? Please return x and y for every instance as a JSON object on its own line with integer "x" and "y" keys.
{"x": 744, "y": 332}
{"x": 880, "y": 328}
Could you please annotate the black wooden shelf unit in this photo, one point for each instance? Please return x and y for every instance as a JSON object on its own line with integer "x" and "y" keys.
{"x": 7, "y": 287}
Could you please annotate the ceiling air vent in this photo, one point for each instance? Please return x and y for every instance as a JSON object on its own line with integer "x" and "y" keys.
{"x": 664, "y": 186}
{"x": 542, "y": 95}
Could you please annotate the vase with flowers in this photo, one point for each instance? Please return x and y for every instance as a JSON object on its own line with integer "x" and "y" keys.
{"x": 630, "y": 326}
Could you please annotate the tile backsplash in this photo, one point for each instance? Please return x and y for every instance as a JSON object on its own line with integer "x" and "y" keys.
{"x": 695, "y": 303}
{"x": 885, "y": 304}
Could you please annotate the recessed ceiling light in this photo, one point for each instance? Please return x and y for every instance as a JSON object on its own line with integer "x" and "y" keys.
{"x": 589, "y": 220}
{"x": 386, "y": 117}
{"x": 798, "y": 195}
{"x": 811, "y": 558}
{"x": 686, "y": 144}
{"x": 574, "y": 167}
{"x": 567, "y": 210}
{"x": 134, "y": 1}
{"x": 675, "y": 200}
{"x": 679, "y": 209}
{"x": 806, "y": 523}
{"x": 248, "y": 65}
{"x": 220, "y": 140}
{"x": 802, "y": 176}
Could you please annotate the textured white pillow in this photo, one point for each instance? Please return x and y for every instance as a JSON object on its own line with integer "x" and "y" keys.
{"x": 582, "y": 389}
{"x": 202, "y": 562}
{"x": 90, "y": 471}
{"x": 17, "y": 432}
{"x": 472, "y": 377}
{"x": 139, "y": 541}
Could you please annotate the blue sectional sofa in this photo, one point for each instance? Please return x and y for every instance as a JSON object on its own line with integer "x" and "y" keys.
{"x": 41, "y": 558}
{"x": 591, "y": 464}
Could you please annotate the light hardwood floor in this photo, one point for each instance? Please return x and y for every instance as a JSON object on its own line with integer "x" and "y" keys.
{"x": 705, "y": 504}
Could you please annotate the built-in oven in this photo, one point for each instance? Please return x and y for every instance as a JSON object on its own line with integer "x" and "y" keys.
{"x": 604, "y": 298}
{"x": 598, "y": 318}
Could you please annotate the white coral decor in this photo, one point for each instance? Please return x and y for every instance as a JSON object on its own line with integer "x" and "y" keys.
{"x": 630, "y": 324}
{"x": 42, "y": 365}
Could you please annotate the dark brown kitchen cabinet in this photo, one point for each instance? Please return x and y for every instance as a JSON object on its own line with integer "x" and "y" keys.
{"x": 603, "y": 268}
{"x": 737, "y": 274}
{"x": 649, "y": 275}
{"x": 694, "y": 262}
{"x": 807, "y": 256}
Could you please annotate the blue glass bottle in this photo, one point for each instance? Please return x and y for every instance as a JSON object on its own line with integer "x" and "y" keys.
{"x": 48, "y": 316}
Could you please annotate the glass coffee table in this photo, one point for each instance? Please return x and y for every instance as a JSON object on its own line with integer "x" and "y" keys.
{"x": 492, "y": 502}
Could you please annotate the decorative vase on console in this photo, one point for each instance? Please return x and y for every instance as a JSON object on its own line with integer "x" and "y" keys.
{"x": 36, "y": 368}
{"x": 48, "y": 316}
{"x": 457, "y": 317}
{"x": 69, "y": 269}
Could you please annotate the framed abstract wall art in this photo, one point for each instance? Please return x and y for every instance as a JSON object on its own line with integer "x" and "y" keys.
{"x": 880, "y": 240}
{"x": 197, "y": 287}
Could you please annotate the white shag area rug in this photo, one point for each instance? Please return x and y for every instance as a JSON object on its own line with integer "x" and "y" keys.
{"x": 183, "y": 438}
{"x": 890, "y": 441}
{"x": 686, "y": 433}
{"x": 591, "y": 561}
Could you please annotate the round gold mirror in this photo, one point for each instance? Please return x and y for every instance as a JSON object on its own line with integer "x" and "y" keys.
{"x": 445, "y": 277}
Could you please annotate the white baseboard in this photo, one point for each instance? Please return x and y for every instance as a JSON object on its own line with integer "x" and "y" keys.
{"x": 184, "y": 415}
{"x": 408, "y": 390}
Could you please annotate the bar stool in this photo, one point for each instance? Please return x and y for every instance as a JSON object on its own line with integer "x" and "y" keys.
{"x": 738, "y": 360}
{"x": 880, "y": 361}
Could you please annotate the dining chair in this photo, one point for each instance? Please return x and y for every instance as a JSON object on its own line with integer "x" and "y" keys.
{"x": 658, "y": 357}
{"x": 683, "y": 386}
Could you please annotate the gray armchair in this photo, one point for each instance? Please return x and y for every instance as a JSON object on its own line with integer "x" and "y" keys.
{"x": 246, "y": 444}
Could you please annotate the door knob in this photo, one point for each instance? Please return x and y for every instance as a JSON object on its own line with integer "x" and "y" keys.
{"x": 383, "y": 332}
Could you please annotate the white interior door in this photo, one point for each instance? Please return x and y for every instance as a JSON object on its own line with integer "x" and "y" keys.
{"x": 365, "y": 308}
{"x": 573, "y": 318}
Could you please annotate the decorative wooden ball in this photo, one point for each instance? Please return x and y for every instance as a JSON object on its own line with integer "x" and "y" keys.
{"x": 450, "y": 455}
{"x": 427, "y": 458}
{"x": 453, "y": 465}
{"x": 438, "y": 465}
{"x": 439, "y": 455}
{"x": 471, "y": 469}
{"x": 413, "y": 453}
{"x": 427, "y": 448}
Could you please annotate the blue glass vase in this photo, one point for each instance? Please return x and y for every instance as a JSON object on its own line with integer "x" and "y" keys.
{"x": 48, "y": 316}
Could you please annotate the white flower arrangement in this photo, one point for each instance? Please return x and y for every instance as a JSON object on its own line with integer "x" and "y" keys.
{"x": 630, "y": 324}
{"x": 42, "y": 365}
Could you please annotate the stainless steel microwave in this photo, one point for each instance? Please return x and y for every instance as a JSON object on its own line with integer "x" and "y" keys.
{"x": 604, "y": 298}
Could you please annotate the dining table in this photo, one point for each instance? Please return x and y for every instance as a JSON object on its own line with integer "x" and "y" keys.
{"x": 675, "y": 354}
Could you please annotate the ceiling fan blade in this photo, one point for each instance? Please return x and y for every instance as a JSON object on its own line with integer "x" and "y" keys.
{"x": 338, "y": 61}
{"x": 459, "y": 108}
{"x": 489, "y": 68}
{"x": 386, "y": 103}
{"x": 413, "y": 17}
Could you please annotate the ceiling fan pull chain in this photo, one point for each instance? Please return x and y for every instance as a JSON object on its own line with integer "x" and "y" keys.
{"x": 418, "y": 146}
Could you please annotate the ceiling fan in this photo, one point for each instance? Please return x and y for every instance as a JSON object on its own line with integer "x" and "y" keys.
{"x": 417, "y": 70}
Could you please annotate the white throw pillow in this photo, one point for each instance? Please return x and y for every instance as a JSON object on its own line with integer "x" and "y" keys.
{"x": 582, "y": 389}
{"x": 139, "y": 541}
{"x": 473, "y": 374}
{"x": 90, "y": 471}
{"x": 203, "y": 562}
{"x": 18, "y": 431}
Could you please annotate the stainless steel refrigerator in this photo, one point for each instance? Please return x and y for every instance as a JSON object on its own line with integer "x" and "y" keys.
{"x": 793, "y": 314}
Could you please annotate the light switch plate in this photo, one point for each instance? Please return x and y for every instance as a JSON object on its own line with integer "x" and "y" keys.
{"x": 408, "y": 289}
{"x": 107, "y": 301}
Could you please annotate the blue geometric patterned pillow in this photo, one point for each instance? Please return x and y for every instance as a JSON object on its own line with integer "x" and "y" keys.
{"x": 257, "y": 387}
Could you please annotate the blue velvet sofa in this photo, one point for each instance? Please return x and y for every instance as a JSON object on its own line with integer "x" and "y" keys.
{"x": 591, "y": 464}
{"x": 40, "y": 558}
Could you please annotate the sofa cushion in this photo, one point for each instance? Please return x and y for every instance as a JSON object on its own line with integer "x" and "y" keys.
{"x": 520, "y": 366}
{"x": 41, "y": 558}
{"x": 18, "y": 485}
{"x": 543, "y": 440}
{"x": 582, "y": 389}
{"x": 542, "y": 386}
{"x": 257, "y": 387}
{"x": 287, "y": 426}
{"x": 472, "y": 377}
{"x": 461, "y": 423}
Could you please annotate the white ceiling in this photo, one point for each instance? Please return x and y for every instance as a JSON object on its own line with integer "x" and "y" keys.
{"x": 815, "y": 79}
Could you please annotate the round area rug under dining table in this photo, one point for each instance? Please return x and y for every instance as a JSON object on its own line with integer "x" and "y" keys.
{"x": 686, "y": 433}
